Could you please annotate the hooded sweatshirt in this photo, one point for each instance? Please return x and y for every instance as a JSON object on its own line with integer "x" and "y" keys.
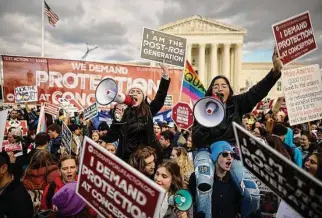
{"x": 297, "y": 154}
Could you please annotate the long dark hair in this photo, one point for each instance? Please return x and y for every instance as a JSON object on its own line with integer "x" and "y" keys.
{"x": 209, "y": 90}
{"x": 276, "y": 143}
{"x": 318, "y": 155}
{"x": 174, "y": 169}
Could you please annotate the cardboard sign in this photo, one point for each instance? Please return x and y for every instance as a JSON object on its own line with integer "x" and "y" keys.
{"x": 163, "y": 48}
{"x": 182, "y": 115}
{"x": 22, "y": 124}
{"x": 51, "y": 109}
{"x": 168, "y": 101}
{"x": 66, "y": 137}
{"x": 90, "y": 112}
{"x": 294, "y": 37}
{"x": 303, "y": 94}
{"x": 26, "y": 94}
{"x": 268, "y": 204}
{"x": 70, "y": 105}
{"x": 296, "y": 187}
{"x": 112, "y": 187}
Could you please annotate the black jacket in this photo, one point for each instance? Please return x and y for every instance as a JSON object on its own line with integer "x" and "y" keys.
{"x": 134, "y": 131}
{"x": 15, "y": 201}
{"x": 236, "y": 107}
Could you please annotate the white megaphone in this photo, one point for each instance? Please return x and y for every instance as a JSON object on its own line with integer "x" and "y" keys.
{"x": 182, "y": 200}
{"x": 107, "y": 92}
{"x": 209, "y": 111}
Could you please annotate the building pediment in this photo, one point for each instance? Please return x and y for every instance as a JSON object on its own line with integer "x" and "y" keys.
{"x": 200, "y": 25}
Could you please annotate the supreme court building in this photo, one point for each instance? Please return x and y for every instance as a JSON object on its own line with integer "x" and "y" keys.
{"x": 215, "y": 48}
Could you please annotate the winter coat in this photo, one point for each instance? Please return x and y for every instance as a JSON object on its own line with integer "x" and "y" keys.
{"x": 235, "y": 108}
{"x": 134, "y": 131}
{"x": 15, "y": 201}
{"x": 35, "y": 179}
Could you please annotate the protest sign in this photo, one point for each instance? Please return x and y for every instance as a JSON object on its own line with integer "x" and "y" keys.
{"x": 268, "y": 204}
{"x": 3, "y": 120}
{"x": 21, "y": 124}
{"x": 294, "y": 37}
{"x": 265, "y": 104}
{"x": 73, "y": 79}
{"x": 51, "y": 109}
{"x": 168, "y": 101}
{"x": 26, "y": 94}
{"x": 303, "y": 94}
{"x": 298, "y": 188}
{"x": 112, "y": 187}
{"x": 90, "y": 112}
{"x": 8, "y": 147}
{"x": 285, "y": 211}
{"x": 163, "y": 48}
{"x": 66, "y": 137}
{"x": 182, "y": 115}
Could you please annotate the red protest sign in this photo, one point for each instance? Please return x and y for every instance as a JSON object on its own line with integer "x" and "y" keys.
{"x": 294, "y": 37}
{"x": 112, "y": 187}
{"x": 182, "y": 115}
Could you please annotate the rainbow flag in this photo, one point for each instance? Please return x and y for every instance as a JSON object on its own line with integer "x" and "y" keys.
{"x": 192, "y": 86}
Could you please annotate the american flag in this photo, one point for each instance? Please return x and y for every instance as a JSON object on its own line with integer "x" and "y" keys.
{"x": 52, "y": 17}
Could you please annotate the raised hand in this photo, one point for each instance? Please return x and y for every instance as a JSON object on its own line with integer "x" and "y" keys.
{"x": 165, "y": 69}
{"x": 277, "y": 63}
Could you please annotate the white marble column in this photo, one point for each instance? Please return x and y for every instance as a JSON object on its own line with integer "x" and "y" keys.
{"x": 238, "y": 65}
{"x": 202, "y": 63}
{"x": 226, "y": 60}
{"x": 189, "y": 52}
{"x": 213, "y": 60}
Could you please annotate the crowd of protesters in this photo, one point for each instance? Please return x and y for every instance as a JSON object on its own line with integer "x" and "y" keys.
{"x": 40, "y": 178}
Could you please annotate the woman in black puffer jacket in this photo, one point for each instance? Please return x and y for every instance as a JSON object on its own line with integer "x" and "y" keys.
{"x": 134, "y": 126}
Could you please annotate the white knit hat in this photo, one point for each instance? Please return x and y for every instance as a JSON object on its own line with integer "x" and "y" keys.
{"x": 140, "y": 86}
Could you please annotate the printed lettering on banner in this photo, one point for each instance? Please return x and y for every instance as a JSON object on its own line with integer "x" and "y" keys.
{"x": 26, "y": 94}
{"x": 168, "y": 101}
{"x": 182, "y": 115}
{"x": 72, "y": 79}
{"x": 163, "y": 48}
{"x": 294, "y": 37}
{"x": 66, "y": 138}
{"x": 112, "y": 187}
{"x": 90, "y": 112}
{"x": 303, "y": 94}
{"x": 299, "y": 189}
{"x": 21, "y": 124}
{"x": 51, "y": 109}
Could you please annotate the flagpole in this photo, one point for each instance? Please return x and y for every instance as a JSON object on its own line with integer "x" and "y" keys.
{"x": 42, "y": 27}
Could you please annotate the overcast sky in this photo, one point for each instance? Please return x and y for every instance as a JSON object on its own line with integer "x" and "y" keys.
{"x": 115, "y": 26}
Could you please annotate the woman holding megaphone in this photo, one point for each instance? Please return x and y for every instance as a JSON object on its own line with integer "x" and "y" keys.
{"x": 177, "y": 201}
{"x": 133, "y": 126}
{"x": 235, "y": 106}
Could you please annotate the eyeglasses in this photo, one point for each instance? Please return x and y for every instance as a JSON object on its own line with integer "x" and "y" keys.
{"x": 225, "y": 154}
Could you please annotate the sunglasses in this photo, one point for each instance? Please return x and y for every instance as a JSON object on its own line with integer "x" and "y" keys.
{"x": 225, "y": 154}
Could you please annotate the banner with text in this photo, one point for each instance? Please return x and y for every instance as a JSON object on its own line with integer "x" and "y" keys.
{"x": 163, "y": 48}
{"x": 66, "y": 138}
{"x": 299, "y": 189}
{"x": 112, "y": 187}
{"x": 303, "y": 94}
{"x": 294, "y": 37}
{"x": 71, "y": 79}
{"x": 90, "y": 112}
{"x": 26, "y": 94}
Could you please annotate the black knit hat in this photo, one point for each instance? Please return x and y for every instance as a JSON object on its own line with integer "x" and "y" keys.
{"x": 103, "y": 126}
{"x": 279, "y": 129}
{"x": 209, "y": 91}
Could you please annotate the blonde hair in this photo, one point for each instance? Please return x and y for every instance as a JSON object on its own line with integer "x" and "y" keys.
{"x": 186, "y": 165}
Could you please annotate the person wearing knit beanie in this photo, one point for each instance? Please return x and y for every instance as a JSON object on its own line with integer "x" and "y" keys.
{"x": 137, "y": 93}
{"x": 67, "y": 201}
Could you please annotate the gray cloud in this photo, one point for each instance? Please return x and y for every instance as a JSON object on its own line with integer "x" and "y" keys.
{"x": 116, "y": 26}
